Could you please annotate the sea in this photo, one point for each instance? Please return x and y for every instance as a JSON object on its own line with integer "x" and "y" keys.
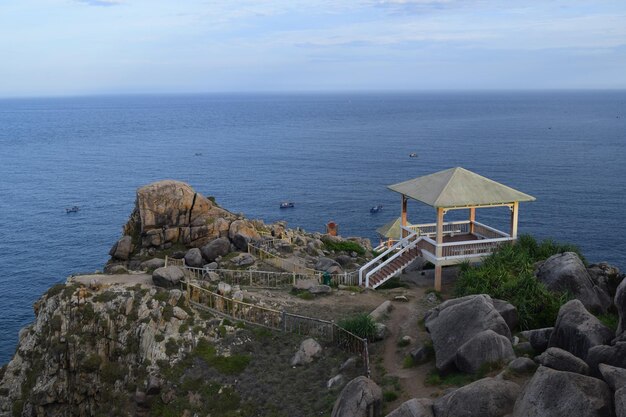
{"x": 333, "y": 155}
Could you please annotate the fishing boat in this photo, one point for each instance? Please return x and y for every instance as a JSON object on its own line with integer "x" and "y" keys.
{"x": 413, "y": 155}
{"x": 376, "y": 209}
{"x": 72, "y": 209}
{"x": 287, "y": 204}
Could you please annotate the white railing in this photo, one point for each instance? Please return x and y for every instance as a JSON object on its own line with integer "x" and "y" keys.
{"x": 449, "y": 228}
{"x": 488, "y": 232}
{"x": 408, "y": 242}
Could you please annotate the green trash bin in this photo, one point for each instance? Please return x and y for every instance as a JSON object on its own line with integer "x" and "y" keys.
{"x": 326, "y": 278}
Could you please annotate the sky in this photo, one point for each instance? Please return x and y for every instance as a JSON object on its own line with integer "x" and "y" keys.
{"x": 83, "y": 47}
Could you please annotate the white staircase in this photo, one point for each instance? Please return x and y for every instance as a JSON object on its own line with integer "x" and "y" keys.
{"x": 391, "y": 262}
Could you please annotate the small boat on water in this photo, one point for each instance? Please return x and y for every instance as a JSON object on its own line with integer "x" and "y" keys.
{"x": 72, "y": 209}
{"x": 376, "y": 209}
{"x": 287, "y": 204}
{"x": 413, "y": 155}
{"x": 198, "y": 154}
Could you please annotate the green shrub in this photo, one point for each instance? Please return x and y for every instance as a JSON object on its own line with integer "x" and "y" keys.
{"x": 456, "y": 379}
{"x": 610, "y": 320}
{"x": 228, "y": 365}
{"x": 104, "y": 297}
{"x": 343, "y": 246}
{"x": 163, "y": 296}
{"x": 54, "y": 290}
{"x": 389, "y": 396}
{"x": 508, "y": 274}
{"x": 111, "y": 372}
{"x": 361, "y": 325}
{"x": 159, "y": 338}
{"x": 171, "y": 347}
{"x": 91, "y": 363}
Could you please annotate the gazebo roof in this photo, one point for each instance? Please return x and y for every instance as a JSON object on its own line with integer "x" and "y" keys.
{"x": 391, "y": 229}
{"x": 458, "y": 187}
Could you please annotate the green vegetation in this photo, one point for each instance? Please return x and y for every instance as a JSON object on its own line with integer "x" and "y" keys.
{"x": 343, "y": 246}
{"x": 389, "y": 396}
{"x": 361, "y": 325}
{"x": 454, "y": 379}
{"x": 54, "y": 290}
{"x": 393, "y": 283}
{"x": 508, "y": 274}
{"x": 229, "y": 365}
{"x": 162, "y": 296}
{"x": 434, "y": 291}
{"x": 111, "y": 372}
{"x": 610, "y": 320}
{"x": 403, "y": 342}
{"x": 224, "y": 401}
{"x": 408, "y": 362}
{"x": 171, "y": 347}
{"x": 91, "y": 363}
{"x": 159, "y": 338}
{"x": 104, "y": 297}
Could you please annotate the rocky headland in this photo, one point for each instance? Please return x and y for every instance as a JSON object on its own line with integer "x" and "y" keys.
{"x": 129, "y": 342}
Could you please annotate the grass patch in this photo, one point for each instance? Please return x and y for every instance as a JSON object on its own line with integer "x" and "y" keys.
{"x": 390, "y": 396}
{"x": 508, "y": 274}
{"x": 361, "y": 325}
{"x": 610, "y": 320}
{"x": 303, "y": 294}
{"x": 454, "y": 379}
{"x": 393, "y": 283}
{"x": 228, "y": 365}
{"x": 343, "y": 246}
{"x": 104, "y": 297}
{"x": 163, "y": 296}
{"x": 408, "y": 362}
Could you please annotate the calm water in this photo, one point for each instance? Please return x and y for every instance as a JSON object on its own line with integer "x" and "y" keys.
{"x": 331, "y": 154}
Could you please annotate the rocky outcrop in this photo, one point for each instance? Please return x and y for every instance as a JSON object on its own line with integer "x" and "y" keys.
{"x": 576, "y": 330}
{"x": 422, "y": 407}
{"x": 614, "y": 355}
{"x": 241, "y": 232}
{"x": 615, "y": 377}
{"x": 486, "y": 347}
{"x": 552, "y": 393}
{"x": 565, "y": 272}
{"x": 538, "y": 338}
{"x": 122, "y": 248}
{"x": 508, "y": 312}
{"x": 455, "y": 322}
{"x": 562, "y": 360}
{"x": 193, "y": 258}
{"x": 487, "y": 397}
{"x": 620, "y": 304}
{"x": 167, "y": 277}
{"x": 308, "y": 351}
{"x": 215, "y": 248}
{"x": 361, "y": 397}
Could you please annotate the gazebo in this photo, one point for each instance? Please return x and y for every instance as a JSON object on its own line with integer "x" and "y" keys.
{"x": 389, "y": 233}
{"x": 446, "y": 243}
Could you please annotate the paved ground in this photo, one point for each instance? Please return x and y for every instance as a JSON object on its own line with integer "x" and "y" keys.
{"x": 102, "y": 279}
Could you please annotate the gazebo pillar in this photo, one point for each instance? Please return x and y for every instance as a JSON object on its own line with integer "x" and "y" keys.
{"x": 472, "y": 219}
{"x": 514, "y": 215}
{"x": 403, "y": 216}
{"x": 439, "y": 249}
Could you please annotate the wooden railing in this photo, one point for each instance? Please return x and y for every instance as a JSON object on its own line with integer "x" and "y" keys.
{"x": 261, "y": 251}
{"x": 323, "y": 330}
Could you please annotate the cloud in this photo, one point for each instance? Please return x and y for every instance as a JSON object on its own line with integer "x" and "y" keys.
{"x": 99, "y": 3}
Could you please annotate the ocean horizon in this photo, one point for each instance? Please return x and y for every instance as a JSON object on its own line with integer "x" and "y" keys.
{"x": 331, "y": 154}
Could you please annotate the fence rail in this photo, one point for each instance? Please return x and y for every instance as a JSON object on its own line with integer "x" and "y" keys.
{"x": 324, "y": 330}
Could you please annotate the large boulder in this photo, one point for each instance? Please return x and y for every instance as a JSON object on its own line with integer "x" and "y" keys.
{"x": 620, "y": 304}
{"x": 172, "y": 203}
{"x": 152, "y": 264}
{"x": 243, "y": 259}
{"x": 576, "y": 330}
{"x": 508, "y": 312}
{"x": 487, "y": 397}
{"x": 620, "y": 402}
{"x": 552, "y": 393}
{"x": 193, "y": 258}
{"x": 241, "y": 233}
{"x": 562, "y": 360}
{"x": 611, "y": 355}
{"x": 484, "y": 348}
{"x": 361, "y": 397}
{"x": 308, "y": 351}
{"x": 215, "y": 248}
{"x": 615, "y": 377}
{"x": 538, "y": 338}
{"x": 422, "y": 407}
{"x": 167, "y": 277}
{"x": 454, "y": 322}
{"x": 565, "y": 272}
{"x": 122, "y": 248}
{"x": 327, "y": 265}
{"x": 605, "y": 276}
